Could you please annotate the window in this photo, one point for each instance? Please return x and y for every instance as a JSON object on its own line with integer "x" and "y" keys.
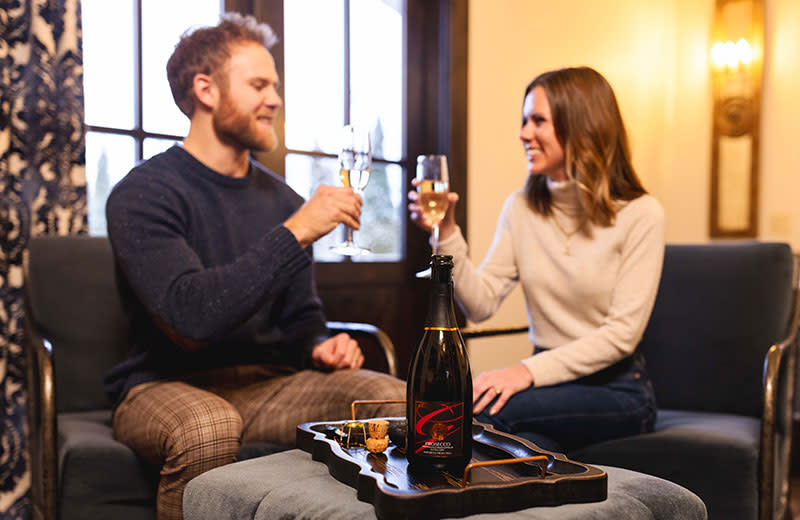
{"x": 130, "y": 114}
{"x": 355, "y": 77}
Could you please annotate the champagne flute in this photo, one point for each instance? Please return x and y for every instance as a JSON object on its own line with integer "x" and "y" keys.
{"x": 433, "y": 187}
{"x": 355, "y": 160}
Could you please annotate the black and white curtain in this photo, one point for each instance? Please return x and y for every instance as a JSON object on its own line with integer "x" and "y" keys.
{"x": 42, "y": 189}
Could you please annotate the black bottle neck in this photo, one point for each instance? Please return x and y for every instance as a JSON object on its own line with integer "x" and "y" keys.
{"x": 440, "y": 299}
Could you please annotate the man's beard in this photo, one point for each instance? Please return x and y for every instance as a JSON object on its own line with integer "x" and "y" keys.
{"x": 238, "y": 128}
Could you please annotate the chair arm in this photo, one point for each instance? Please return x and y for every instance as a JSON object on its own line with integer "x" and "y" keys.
{"x": 379, "y": 336}
{"x": 41, "y": 422}
{"x": 475, "y": 332}
{"x": 779, "y": 381}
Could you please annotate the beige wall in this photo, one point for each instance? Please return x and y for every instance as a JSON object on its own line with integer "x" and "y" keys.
{"x": 780, "y": 125}
{"x": 655, "y": 54}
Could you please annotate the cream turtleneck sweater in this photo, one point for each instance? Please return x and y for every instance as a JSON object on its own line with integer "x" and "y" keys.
{"x": 589, "y": 289}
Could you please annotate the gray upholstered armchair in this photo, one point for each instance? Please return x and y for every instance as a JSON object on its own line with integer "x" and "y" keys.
{"x": 75, "y": 330}
{"x": 721, "y": 350}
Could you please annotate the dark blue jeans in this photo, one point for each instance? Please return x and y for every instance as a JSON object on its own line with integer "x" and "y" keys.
{"x": 615, "y": 402}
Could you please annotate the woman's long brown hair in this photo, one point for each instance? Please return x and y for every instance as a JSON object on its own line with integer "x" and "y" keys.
{"x": 589, "y": 127}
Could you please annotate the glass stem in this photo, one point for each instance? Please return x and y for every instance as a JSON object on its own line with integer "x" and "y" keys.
{"x": 435, "y": 235}
{"x": 349, "y": 235}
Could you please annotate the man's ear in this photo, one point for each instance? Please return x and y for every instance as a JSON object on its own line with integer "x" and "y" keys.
{"x": 205, "y": 90}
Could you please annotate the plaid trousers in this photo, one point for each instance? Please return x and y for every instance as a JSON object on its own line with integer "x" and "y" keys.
{"x": 195, "y": 424}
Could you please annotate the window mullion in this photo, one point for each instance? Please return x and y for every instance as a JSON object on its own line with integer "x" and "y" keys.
{"x": 346, "y": 62}
{"x": 138, "y": 96}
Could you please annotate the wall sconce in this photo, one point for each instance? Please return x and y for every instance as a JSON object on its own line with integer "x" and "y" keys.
{"x": 736, "y": 66}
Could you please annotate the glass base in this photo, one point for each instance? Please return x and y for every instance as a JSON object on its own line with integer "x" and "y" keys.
{"x": 425, "y": 273}
{"x": 349, "y": 249}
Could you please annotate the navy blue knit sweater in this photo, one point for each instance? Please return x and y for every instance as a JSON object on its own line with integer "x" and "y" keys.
{"x": 207, "y": 271}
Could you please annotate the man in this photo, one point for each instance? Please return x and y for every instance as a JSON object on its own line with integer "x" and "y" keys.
{"x": 228, "y": 338}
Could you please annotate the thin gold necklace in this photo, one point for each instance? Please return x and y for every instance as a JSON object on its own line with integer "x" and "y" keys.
{"x": 567, "y": 234}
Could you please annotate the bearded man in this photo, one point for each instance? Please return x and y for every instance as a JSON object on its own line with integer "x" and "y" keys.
{"x": 228, "y": 342}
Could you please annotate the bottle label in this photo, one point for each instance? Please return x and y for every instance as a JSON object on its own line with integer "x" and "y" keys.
{"x": 438, "y": 428}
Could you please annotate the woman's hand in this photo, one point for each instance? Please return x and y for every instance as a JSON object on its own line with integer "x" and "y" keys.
{"x": 500, "y": 384}
{"x": 448, "y": 225}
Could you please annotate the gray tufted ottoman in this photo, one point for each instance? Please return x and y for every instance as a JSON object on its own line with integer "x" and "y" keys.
{"x": 291, "y": 485}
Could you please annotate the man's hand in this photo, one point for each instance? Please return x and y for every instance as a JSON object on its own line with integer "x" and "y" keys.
{"x": 500, "y": 384}
{"x": 328, "y": 207}
{"x": 338, "y": 352}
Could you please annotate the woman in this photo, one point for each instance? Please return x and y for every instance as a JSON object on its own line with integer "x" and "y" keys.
{"x": 586, "y": 242}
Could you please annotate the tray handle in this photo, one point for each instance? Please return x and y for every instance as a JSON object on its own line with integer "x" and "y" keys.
{"x": 497, "y": 462}
{"x": 371, "y": 401}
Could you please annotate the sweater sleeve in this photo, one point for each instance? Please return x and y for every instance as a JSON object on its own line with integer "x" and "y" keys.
{"x": 631, "y": 303}
{"x": 301, "y": 317}
{"x": 480, "y": 291}
{"x": 147, "y": 229}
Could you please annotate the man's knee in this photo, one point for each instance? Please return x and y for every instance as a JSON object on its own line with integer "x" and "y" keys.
{"x": 384, "y": 387}
{"x": 394, "y": 389}
{"x": 208, "y": 430}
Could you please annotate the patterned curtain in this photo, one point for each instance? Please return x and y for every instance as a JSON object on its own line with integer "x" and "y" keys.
{"x": 42, "y": 189}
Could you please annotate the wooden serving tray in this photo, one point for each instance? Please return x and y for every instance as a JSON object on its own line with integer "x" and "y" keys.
{"x": 385, "y": 481}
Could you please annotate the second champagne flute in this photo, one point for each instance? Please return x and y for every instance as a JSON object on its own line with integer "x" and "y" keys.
{"x": 433, "y": 187}
{"x": 355, "y": 161}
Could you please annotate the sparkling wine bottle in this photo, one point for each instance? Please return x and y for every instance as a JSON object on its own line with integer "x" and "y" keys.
{"x": 439, "y": 400}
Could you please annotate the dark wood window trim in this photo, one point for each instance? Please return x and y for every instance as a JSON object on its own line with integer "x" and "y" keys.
{"x": 437, "y": 98}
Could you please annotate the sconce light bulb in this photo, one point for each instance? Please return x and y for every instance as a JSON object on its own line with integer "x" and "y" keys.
{"x": 718, "y": 55}
{"x": 743, "y": 52}
{"x": 729, "y": 52}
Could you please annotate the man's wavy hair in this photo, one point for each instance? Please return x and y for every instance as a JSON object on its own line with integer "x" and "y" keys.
{"x": 589, "y": 127}
{"x": 207, "y": 50}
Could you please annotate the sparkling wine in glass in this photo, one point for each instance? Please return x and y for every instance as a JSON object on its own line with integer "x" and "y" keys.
{"x": 355, "y": 160}
{"x": 433, "y": 187}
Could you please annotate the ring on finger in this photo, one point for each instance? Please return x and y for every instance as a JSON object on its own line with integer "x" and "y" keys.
{"x": 496, "y": 390}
